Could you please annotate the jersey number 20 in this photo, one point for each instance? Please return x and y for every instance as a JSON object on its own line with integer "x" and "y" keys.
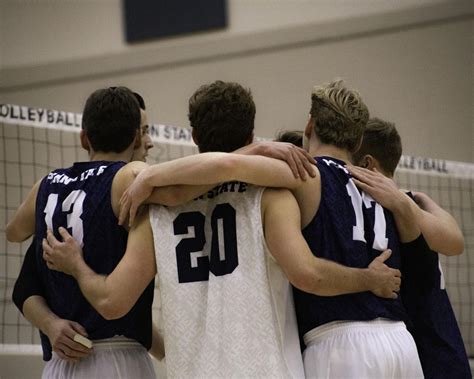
{"x": 192, "y": 262}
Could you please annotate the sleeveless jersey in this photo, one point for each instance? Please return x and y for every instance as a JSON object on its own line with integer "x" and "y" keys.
{"x": 352, "y": 229}
{"x": 79, "y": 199}
{"x": 434, "y": 326}
{"x": 226, "y": 306}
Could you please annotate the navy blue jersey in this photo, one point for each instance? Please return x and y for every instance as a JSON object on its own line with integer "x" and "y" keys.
{"x": 79, "y": 199}
{"x": 352, "y": 229}
{"x": 434, "y": 327}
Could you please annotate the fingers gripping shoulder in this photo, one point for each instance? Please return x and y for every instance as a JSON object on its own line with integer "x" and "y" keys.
{"x": 128, "y": 172}
{"x": 123, "y": 179}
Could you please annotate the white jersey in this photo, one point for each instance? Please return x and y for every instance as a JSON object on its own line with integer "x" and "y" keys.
{"x": 227, "y": 307}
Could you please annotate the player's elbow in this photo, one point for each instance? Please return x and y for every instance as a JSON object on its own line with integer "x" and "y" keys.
{"x": 111, "y": 309}
{"x": 308, "y": 280}
{"x": 456, "y": 246}
{"x": 110, "y": 313}
{"x": 15, "y": 234}
{"x": 448, "y": 244}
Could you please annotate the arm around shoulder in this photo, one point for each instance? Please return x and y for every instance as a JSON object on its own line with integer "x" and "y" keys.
{"x": 440, "y": 229}
{"x": 281, "y": 218}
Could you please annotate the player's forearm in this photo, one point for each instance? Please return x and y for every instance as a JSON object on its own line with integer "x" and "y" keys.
{"x": 206, "y": 168}
{"x": 37, "y": 311}
{"x": 404, "y": 213}
{"x": 441, "y": 231}
{"x": 210, "y": 168}
{"x": 95, "y": 289}
{"x": 327, "y": 278}
{"x": 112, "y": 295}
{"x": 172, "y": 196}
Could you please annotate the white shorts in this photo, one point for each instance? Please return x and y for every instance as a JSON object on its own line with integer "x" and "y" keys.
{"x": 116, "y": 357}
{"x": 361, "y": 349}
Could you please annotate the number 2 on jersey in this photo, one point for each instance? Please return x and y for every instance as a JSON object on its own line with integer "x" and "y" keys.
{"x": 193, "y": 263}
{"x": 75, "y": 200}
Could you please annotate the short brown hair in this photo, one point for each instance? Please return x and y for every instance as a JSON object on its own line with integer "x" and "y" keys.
{"x": 222, "y": 116}
{"x": 291, "y": 136}
{"x": 111, "y": 118}
{"x": 339, "y": 115}
{"x": 382, "y": 141}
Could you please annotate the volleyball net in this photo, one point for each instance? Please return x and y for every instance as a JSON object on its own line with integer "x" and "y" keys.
{"x": 34, "y": 141}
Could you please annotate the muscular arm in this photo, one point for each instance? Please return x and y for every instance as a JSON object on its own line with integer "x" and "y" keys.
{"x": 22, "y": 224}
{"x": 210, "y": 168}
{"x": 312, "y": 274}
{"x": 440, "y": 229}
{"x": 298, "y": 160}
{"x": 172, "y": 196}
{"x": 115, "y": 294}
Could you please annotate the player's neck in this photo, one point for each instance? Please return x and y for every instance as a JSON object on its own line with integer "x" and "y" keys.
{"x": 124, "y": 156}
{"x": 318, "y": 149}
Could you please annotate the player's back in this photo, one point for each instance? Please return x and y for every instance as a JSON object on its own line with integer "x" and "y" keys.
{"x": 349, "y": 228}
{"x": 79, "y": 198}
{"x": 218, "y": 287}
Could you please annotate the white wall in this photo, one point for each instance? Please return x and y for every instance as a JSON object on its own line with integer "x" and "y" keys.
{"x": 43, "y": 31}
{"x": 413, "y": 66}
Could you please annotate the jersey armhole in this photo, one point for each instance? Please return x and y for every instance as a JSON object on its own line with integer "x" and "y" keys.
{"x": 261, "y": 231}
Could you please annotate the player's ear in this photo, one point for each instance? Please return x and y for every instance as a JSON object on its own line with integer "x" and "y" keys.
{"x": 369, "y": 162}
{"x": 309, "y": 127}
{"x": 84, "y": 140}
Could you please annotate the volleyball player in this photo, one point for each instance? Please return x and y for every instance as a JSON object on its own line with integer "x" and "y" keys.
{"x": 339, "y": 224}
{"x": 85, "y": 198}
{"x": 222, "y": 315}
{"x": 61, "y": 332}
{"x": 433, "y": 323}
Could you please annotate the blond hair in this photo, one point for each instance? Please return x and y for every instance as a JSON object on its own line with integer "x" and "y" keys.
{"x": 340, "y": 116}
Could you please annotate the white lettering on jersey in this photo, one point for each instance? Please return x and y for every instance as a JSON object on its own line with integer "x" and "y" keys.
{"x": 75, "y": 200}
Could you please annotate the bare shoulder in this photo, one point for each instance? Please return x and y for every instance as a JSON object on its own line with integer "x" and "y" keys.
{"x": 123, "y": 179}
{"x": 126, "y": 174}
{"x": 132, "y": 168}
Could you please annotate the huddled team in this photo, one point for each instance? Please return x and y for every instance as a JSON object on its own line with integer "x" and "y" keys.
{"x": 272, "y": 260}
